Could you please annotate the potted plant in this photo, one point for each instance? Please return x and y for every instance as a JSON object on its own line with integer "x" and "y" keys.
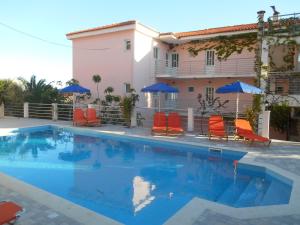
{"x": 128, "y": 103}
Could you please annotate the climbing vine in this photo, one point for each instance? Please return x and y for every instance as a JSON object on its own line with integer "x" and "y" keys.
{"x": 288, "y": 58}
{"x": 285, "y": 26}
{"x": 224, "y": 46}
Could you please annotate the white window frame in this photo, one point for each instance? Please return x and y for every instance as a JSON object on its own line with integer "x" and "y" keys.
{"x": 279, "y": 89}
{"x": 127, "y": 45}
{"x": 191, "y": 89}
{"x": 174, "y": 60}
{"x": 127, "y": 87}
{"x": 210, "y": 58}
{"x": 167, "y": 59}
{"x": 156, "y": 53}
{"x": 209, "y": 94}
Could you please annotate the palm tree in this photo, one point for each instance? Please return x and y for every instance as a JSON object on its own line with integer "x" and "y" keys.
{"x": 72, "y": 82}
{"x": 109, "y": 90}
{"x": 97, "y": 80}
{"x": 40, "y": 91}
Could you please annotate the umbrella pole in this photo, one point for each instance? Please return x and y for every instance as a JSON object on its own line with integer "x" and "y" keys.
{"x": 237, "y": 105}
{"x": 74, "y": 101}
{"x": 158, "y": 101}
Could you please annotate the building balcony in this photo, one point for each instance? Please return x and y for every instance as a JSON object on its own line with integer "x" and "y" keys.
{"x": 284, "y": 24}
{"x": 237, "y": 67}
{"x": 284, "y": 83}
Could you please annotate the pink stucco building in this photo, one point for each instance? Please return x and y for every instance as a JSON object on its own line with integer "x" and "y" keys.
{"x": 130, "y": 54}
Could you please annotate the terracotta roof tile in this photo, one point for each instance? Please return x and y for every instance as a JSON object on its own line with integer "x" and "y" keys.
{"x": 104, "y": 27}
{"x": 242, "y": 27}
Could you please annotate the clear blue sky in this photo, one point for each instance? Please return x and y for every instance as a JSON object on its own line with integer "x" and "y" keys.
{"x": 52, "y": 19}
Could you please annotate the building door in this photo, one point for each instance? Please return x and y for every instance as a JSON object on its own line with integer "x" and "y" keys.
{"x": 209, "y": 62}
{"x": 174, "y": 63}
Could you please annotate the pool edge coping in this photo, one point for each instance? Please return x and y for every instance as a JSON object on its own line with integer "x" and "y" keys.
{"x": 195, "y": 208}
{"x": 187, "y": 213}
{"x": 70, "y": 209}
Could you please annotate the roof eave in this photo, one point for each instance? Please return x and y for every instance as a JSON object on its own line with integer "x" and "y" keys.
{"x": 195, "y": 37}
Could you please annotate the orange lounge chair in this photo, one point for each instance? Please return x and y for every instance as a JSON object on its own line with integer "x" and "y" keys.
{"x": 159, "y": 123}
{"x": 91, "y": 117}
{"x": 78, "y": 117}
{"x": 9, "y": 212}
{"x": 244, "y": 129}
{"x": 174, "y": 124}
{"x": 216, "y": 127}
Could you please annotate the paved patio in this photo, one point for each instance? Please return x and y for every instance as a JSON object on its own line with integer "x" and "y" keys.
{"x": 36, "y": 213}
{"x": 282, "y": 155}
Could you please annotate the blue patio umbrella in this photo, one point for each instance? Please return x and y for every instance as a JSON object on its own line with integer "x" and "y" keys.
{"x": 74, "y": 88}
{"x": 159, "y": 88}
{"x": 238, "y": 87}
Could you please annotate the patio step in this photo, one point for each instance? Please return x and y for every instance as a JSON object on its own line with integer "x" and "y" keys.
{"x": 213, "y": 192}
{"x": 253, "y": 194}
{"x": 280, "y": 190}
{"x": 233, "y": 192}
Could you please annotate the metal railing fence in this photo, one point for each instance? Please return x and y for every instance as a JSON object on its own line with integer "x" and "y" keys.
{"x": 114, "y": 115}
{"x": 14, "y": 109}
{"x": 236, "y": 66}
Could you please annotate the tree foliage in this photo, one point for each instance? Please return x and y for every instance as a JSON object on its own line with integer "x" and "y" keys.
{"x": 10, "y": 92}
{"x": 128, "y": 103}
{"x": 38, "y": 91}
{"x": 253, "y": 111}
{"x": 72, "y": 82}
{"x": 97, "y": 80}
{"x": 280, "y": 116}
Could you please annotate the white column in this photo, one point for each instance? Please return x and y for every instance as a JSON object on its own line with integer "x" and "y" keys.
{"x": 54, "y": 111}
{"x": 260, "y": 123}
{"x": 133, "y": 118}
{"x": 266, "y": 124}
{"x": 237, "y": 105}
{"x": 265, "y": 63}
{"x": 190, "y": 126}
{"x": 26, "y": 109}
{"x": 264, "y": 75}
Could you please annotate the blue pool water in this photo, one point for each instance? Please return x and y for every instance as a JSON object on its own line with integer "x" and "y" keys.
{"x": 134, "y": 181}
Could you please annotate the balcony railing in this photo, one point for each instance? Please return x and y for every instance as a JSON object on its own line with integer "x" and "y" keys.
{"x": 240, "y": 67}
{"x": 284, "y": 83}
{"x": 280, "y": 24}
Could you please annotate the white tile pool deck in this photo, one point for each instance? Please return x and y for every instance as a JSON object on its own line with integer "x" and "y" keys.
{"x": 44, "y": 208}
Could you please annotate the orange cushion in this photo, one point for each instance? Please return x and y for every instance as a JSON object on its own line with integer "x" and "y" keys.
{"x": 8, "y": 211}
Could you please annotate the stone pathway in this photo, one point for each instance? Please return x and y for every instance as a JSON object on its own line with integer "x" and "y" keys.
{"x": 210, "y": 217}
{"x": 35, "y": 213}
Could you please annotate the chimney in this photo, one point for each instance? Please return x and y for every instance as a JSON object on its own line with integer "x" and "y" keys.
{"x": 260, "y": 23}
{"x": 275, "y": 14}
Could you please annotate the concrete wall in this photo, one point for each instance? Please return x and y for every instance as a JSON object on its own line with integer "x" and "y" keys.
{"x": 113, "y": 63}
{"x": 277, "y": 54}
{"x": 143, "y": 64}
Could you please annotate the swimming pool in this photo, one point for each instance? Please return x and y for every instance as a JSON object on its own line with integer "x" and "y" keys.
{"x": 130, "y": 179}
